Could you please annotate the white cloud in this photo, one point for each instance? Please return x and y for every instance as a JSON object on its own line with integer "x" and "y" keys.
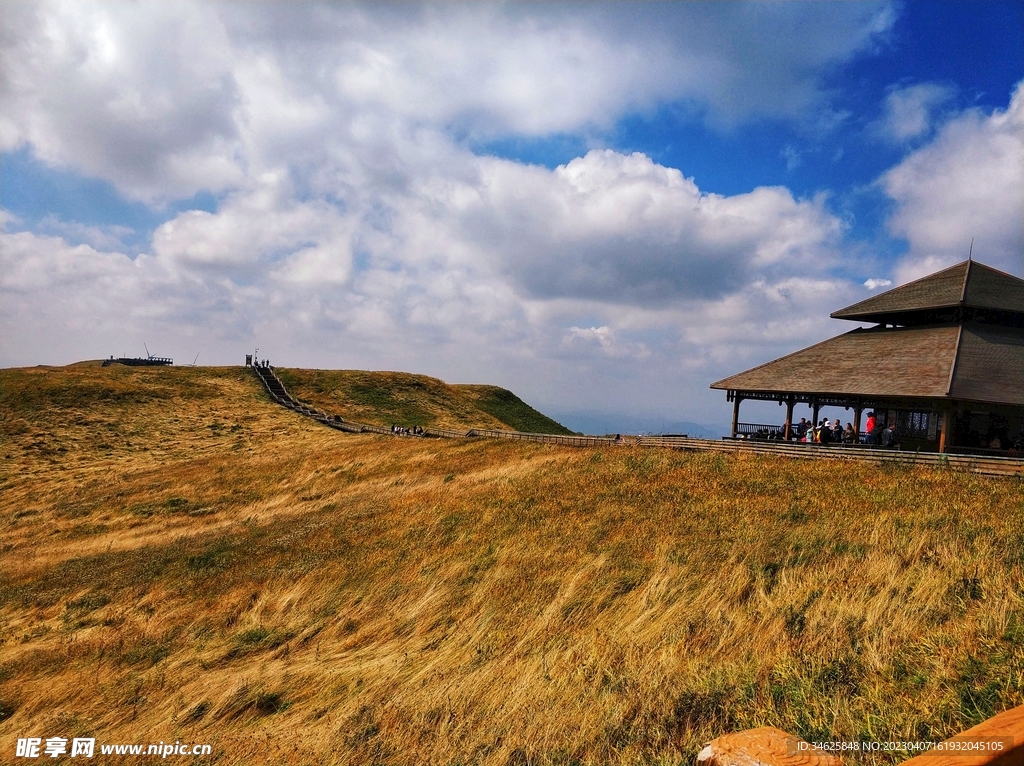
{"x": 621, "y": 228}
{"x": 874, "y": 284}
{"x": 910, "y": 111}
{"x": 604, "y": 338}
{"x": 39, "y": 263}
{"x": 265, "y": 228}
{"x": 58, "y": 299}
{"x": 140, "y": 95}
{"x": 354, "y": 227}
{"x": 165, "y": 100}
{"x": 110, "y": 237}
{"x": 966, "y": 183}
{"x": 792, "y": 157}
{"x": 557, "y": 69}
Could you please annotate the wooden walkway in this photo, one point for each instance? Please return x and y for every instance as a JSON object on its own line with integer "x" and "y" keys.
{"x": 987, "y": 465}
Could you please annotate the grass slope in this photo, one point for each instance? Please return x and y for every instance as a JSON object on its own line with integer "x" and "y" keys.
{"x": 184, "y": 560}
{"x": 384, "y": 398}
{"x": 511, "y": 410}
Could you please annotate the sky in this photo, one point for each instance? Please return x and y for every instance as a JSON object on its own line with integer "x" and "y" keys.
{"x": 604, "y": 207}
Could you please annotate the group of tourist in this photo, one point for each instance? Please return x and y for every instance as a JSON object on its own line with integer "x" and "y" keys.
{"x": 824, "y": 432}
{"x": 404, "y": 431}
{"x": 834, "y": 433}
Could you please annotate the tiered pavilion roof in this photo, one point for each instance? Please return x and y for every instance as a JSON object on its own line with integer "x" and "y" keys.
{"x": 949, "y": 341}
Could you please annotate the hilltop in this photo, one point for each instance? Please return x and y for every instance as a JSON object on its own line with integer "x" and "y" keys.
{"x": 184, "y": 559}
{"x": 384, "y": 398}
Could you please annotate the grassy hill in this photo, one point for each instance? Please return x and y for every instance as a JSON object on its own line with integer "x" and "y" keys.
{"x": 384, "y": 398}
{"x": 184, "y": 560}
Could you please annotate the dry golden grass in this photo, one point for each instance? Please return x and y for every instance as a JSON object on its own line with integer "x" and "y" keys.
{"x": 184, "y": 560}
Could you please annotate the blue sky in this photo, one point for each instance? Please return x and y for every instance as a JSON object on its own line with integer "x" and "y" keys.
{"x": 603, "y": 206}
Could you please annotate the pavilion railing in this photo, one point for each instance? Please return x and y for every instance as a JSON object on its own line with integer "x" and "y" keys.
{"x": 759, "y": 430}
{"x": 775, "y": 433}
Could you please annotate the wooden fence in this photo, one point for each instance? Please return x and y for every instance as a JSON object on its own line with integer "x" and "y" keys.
{"x": 446, "y": 433}
{"x": 990, "y": 465}
{"x": 565, "y": 441}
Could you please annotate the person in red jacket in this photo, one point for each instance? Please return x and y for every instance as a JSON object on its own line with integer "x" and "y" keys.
{"x": 869, "y": 427}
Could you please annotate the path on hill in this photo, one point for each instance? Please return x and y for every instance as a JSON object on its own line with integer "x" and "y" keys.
{"x": 990, "y": 466}
{"x": 280, "y": 394}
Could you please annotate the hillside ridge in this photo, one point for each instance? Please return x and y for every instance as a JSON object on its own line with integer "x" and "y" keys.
{"x": 388, "y": 398}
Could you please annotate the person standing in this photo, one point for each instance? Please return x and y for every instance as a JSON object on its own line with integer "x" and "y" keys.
{"x": 888, "y": 436}
{"x": 849, "y": 435}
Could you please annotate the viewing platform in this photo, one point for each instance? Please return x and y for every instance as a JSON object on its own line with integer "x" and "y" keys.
{"x": 942, "y": 369}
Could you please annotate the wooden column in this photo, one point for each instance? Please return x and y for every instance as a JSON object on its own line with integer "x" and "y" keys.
{"x": 788, "y": 432}
{"x": 814, "y": 418}
{"x": 945, "y": 435}
{"x": 857, "y": 410}
{"x": 736, "y": 413}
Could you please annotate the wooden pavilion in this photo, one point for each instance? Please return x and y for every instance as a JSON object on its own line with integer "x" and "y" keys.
{"x": 944, "y": 363}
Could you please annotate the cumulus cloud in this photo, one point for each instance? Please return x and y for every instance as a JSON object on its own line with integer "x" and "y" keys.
{"x": 909, "y": 111}
{"x": 559, "y": 69}
{"x": 966, "y": 183}
{"x": 621, "y": 228}
{"x": 265, "y": 228}
{"x": 110, "y": 237}
{"x": 165, "y": 100}
{"x": 874, "y": 284}
{"x": 57, "y": 297}
{"x": 141, "y": 96}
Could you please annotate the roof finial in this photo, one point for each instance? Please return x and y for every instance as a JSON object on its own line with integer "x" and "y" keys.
{"x": 970, "y": 253}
